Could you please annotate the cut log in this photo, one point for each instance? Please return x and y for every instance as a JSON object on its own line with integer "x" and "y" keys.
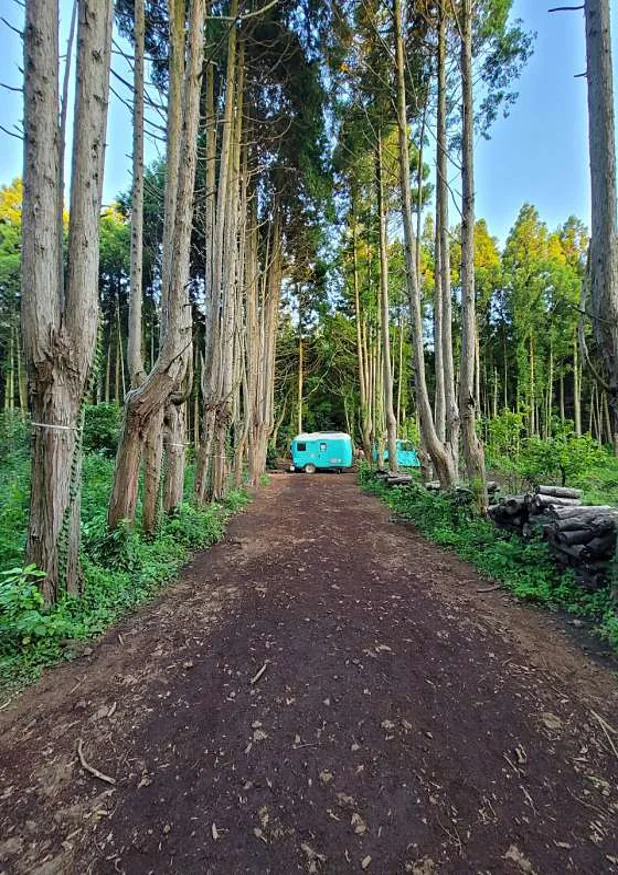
{"x": 599, "y": 548}
{"x": 579, "y": 536}
{"x": 574, "y": 552}
{"x": 542, "y": 501}
{"x": 558, "y": 491}
{"x": 398, "y": 481}
{"x": 563, "y": 513}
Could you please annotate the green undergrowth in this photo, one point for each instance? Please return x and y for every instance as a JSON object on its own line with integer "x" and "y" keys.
{"x": 524, "y": 568}
{"x": 120, "y": 570}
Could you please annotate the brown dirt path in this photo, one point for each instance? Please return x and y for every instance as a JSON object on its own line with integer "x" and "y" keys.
{"x": 405, "y": 721}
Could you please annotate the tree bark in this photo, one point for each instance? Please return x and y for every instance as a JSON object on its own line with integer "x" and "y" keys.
{"x": 360, "y": 350}
{"x": 60, "y": 331}
{"x": 603, "y": 255}
{"x": 472, "y": 447}
{"x": 387, "y": 374}
{"x": 144, "y": 403}
{"x": 134, "y": 346}
{"x": 441, "y": 456}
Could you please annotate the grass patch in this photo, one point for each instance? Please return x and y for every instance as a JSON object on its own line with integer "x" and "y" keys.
{"x": 524, "y": 568}
{"x": 121, "y": 570}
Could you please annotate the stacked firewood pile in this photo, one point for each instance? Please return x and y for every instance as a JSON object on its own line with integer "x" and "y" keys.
{"x": 580, "y": 537}
{"x": 527, "y": 513}
{"x": 394, "y": 479}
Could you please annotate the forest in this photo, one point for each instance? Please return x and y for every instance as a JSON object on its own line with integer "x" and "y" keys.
{"x": 304, "y": 255}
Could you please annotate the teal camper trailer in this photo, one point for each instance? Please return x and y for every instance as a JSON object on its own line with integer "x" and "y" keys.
{"x": 321, "y": 451}
{"x": 407, "y": 457}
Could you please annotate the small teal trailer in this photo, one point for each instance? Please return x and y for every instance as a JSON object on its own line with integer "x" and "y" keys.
{"x": 321, "y": 451}
{"x": 407, "y": 456}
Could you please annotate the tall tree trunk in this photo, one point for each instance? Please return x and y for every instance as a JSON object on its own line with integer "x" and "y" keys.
{"x": 472, "y": 447}
{"x": 438, "y": 341}
{"x": 401, "y": 380}
{"x": 144, "y": 403}
{"x": 60, "y": 331}
{"x": 228, "y": 213}
{"x": 167, "y": 419}
{"x": 577, "y": 389}
{"x": 108, "y": 366}
{"x": 603, "y": 255}
{"x": 440, "y": 455}
{"x": 442, "y": 232}
{"x": 532, "y": 396}
{"x": 9, "y": 390}
{"x": 362, "y": 373}
{"x": 209, "y": 372}
{"x": 389, "y": 413}
{"x": 299, "y": 414}
{"x": 550, "y": 390}
{"x": 22, "y": 384}
{"x": 134, "y": 346}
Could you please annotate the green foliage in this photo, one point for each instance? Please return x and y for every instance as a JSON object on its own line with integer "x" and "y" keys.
{"x": 272, "y": 457}
{"x": 524, "y": 568}
{"x": 101, "y": 428}
{"x": 505, "y": 432}
{"x": 119, "y": 570}
{"x": 564, "y": 457}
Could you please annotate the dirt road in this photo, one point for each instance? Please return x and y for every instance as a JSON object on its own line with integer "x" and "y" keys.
{"x": 324, "y": 691}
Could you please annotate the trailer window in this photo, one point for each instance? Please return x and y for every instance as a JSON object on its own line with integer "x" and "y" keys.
{"x": 322, "y": 447}
{"x": 302, "y": 448}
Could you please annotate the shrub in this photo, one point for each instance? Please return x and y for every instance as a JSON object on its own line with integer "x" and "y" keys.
{"x": 119, "y": 570}
{"x": 101, "y": 428}
{"x": 524, "y": 568}
{"x": 565, "y": 458}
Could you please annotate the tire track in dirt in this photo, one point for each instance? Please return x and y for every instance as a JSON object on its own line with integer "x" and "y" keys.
{"x": 403, "y": 721}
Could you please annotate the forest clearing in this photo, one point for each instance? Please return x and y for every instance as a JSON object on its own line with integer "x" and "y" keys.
{"x": 244, "y": 243}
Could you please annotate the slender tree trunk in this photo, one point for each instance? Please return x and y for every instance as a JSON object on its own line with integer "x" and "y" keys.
{"x": 608, "y": 421}
{"x": 153, "y": 459}
{"x": 401, "y": 381}
{"x": 438, "y": 340}
{"x": 442, "y": 231}
{"x": 362, "y": 374}
{"x": 174, "y": 446}
{"x": 209, "y": 372}
{"x": 532, "y": 398}
{"x": 299, "y": 415}
{"x": 603, "y": 255}
{"x": 577, "y": 390}
{"x": 9, "y": 390}
{"x": 591, "y": 408}
{"x": 389, "y": 413}
{"x": 108, "y": 366}
{"x": 60, "y": 331}
{"x": 550, "y": 390}
{"x": 228, "y": 213}
{"x": 440, "y": 455}
{"x": 144, "y": 403}
{"x": 22, "y": 384}
{"x": 166, "y": 418}
{"x": 472, "y": 447}
{"x": 134, "y": 346}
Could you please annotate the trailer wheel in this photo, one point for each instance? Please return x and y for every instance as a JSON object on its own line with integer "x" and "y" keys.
{"x": 309, "y": 469}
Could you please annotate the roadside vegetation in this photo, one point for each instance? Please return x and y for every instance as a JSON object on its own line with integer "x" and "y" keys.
{"x": 524, "y": 568}
{"x": 120, "y": 569}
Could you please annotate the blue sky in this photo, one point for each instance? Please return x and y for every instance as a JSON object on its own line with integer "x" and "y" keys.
{"x": 538, "y": 154}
